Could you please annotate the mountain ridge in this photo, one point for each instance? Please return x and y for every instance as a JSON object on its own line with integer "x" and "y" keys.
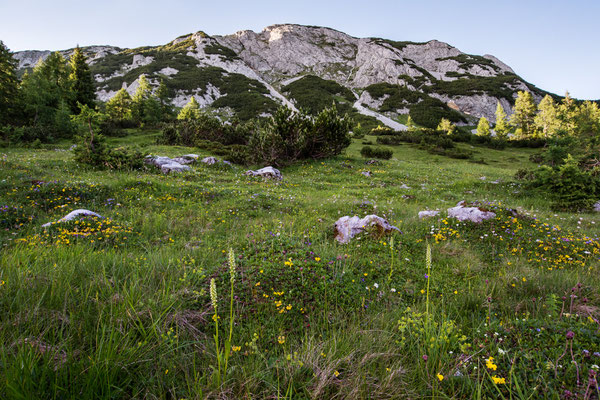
{"x": 245, "y": 72}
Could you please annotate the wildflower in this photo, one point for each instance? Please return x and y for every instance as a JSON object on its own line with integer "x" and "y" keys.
{"x": 498, "y": 381}
{"x": 281, "y": 339}
{"x": 236, "y": 348}
{"x": 317, "y": 259}
{"x": 440, "y": 377}
{"x": 213, "y": 294}
{"x": 336, "y": 373}
{"x": 231, "y": 265}
{"x": 490, "y": 364}
{"x": 289, "y": 262}
{"x": 425, "y": 357}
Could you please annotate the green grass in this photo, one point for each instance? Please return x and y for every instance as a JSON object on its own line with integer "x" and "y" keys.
{"x": 124, "y": 311}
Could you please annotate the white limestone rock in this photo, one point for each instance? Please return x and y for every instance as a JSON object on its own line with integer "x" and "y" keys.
{"x": 348, "y": 227}
{"x": 428, "y": 214}
{"x": 76, "y": 214}
{"x": 473, "y": 214}
{"x": 266, "y": 172}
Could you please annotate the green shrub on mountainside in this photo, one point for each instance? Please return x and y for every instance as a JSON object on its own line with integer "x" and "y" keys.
{"x": 315, "y": 94}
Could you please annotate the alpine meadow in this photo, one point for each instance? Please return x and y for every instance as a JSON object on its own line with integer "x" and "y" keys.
{"x": 294, "y": 214}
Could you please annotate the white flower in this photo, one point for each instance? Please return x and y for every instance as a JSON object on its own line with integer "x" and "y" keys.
{"x": 376, "y": 285}
{"x": 595, "y": 366}
{"x": 502, "y": 352}
{"x": 393, "y": 290}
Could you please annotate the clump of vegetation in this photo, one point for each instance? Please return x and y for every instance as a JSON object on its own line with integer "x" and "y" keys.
{"x": 288, "y": 137}
{"x": 92, "y": 149}
{"x": 376, "y": 152}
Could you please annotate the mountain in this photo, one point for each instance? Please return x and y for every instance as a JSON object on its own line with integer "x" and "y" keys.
{"x": 250, "y": 74}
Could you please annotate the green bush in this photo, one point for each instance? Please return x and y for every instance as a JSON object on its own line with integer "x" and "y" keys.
{"x": 569, "y": 186}
{"x": 288, "y": 137}
{"x": 376, "y": 152}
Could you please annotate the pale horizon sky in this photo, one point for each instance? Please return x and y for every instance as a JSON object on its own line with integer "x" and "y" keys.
{"x": 552, "y": 44}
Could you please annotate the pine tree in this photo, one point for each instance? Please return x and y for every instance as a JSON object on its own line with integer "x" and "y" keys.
{"x": 523, "y": 114}
{"x": 546, "y": 121}
{"x": 502, "y": 128}
{"x": 483, "y": 127}
{"x": 118, "y": 107}
{"x": 8, "y": 84}
{"x": 446, "y": 126}
{"x": 191, "y": 111}
{"x": 82, "y": 83}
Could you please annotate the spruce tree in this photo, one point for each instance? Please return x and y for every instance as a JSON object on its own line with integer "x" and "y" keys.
{"x": 191, "y": 111}
{"x": 502, "y": 129}
{"x": 8, "y": 84}
{"x": 82, "y": 83}
{"x": 524, "y": 114}
{"x": 483, "y": 127}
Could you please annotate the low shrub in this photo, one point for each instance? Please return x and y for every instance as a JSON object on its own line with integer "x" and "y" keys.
{"x": 376, "y": 152}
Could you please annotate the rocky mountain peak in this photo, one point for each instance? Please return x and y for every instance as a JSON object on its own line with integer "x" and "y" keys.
{"x": 381, "y": 73}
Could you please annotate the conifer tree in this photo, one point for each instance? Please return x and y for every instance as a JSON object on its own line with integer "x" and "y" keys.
{"x": 483, "y": 127}
{"x": 82, "y": 83}
{"x": 523, "y": 114}
{"x": 8, "y": 84}
{"x": 140, "y": 96}
{"x": 567, "y": 114}
{"x": 410, "y": 124}
{"x": 191, "y": 111}
{"x": 162, "y": 94}
{"x": 546, "y": 121}
{"x": 502, "y": 128}
{"x": 118, "y": 107}
{"x": 446, "y": 126}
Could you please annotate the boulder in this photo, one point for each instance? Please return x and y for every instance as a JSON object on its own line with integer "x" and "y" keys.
{"x": 168, "y": 165}
{"x": 173, "y": 167}
{"x": 348, "y": 227}
{"x": 428, "y": 213}
{"x": 474, "y": 214}
{"x": 210, "y": 160}
{"x": 266, "y": 172}
{"x": 74, "y": 215}
{"x": 186, "y": 159}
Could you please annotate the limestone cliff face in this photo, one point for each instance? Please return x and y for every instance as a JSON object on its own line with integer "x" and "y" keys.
{"x": 281, "y": 54}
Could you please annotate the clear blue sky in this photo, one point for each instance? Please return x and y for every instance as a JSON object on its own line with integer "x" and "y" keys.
{"x": 553, "y": 43}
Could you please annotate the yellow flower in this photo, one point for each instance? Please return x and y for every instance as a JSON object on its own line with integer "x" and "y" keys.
{"x": 281, "y": 339}
{"x": 440, "y": 377}
{"x": 490, "y": 364}
{"x": 498, "y": 381}
{"x": 317, "y": 259}
{"x": 524, "y": 280}
{"x": 336, "y": 373}
{"x": 236, "y": 348}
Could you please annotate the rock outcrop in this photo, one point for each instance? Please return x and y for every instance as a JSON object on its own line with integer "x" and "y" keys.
{"x": 473, "y": 214}
{"x": 348, "y": 227}
{"x": 282, "y": 54}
